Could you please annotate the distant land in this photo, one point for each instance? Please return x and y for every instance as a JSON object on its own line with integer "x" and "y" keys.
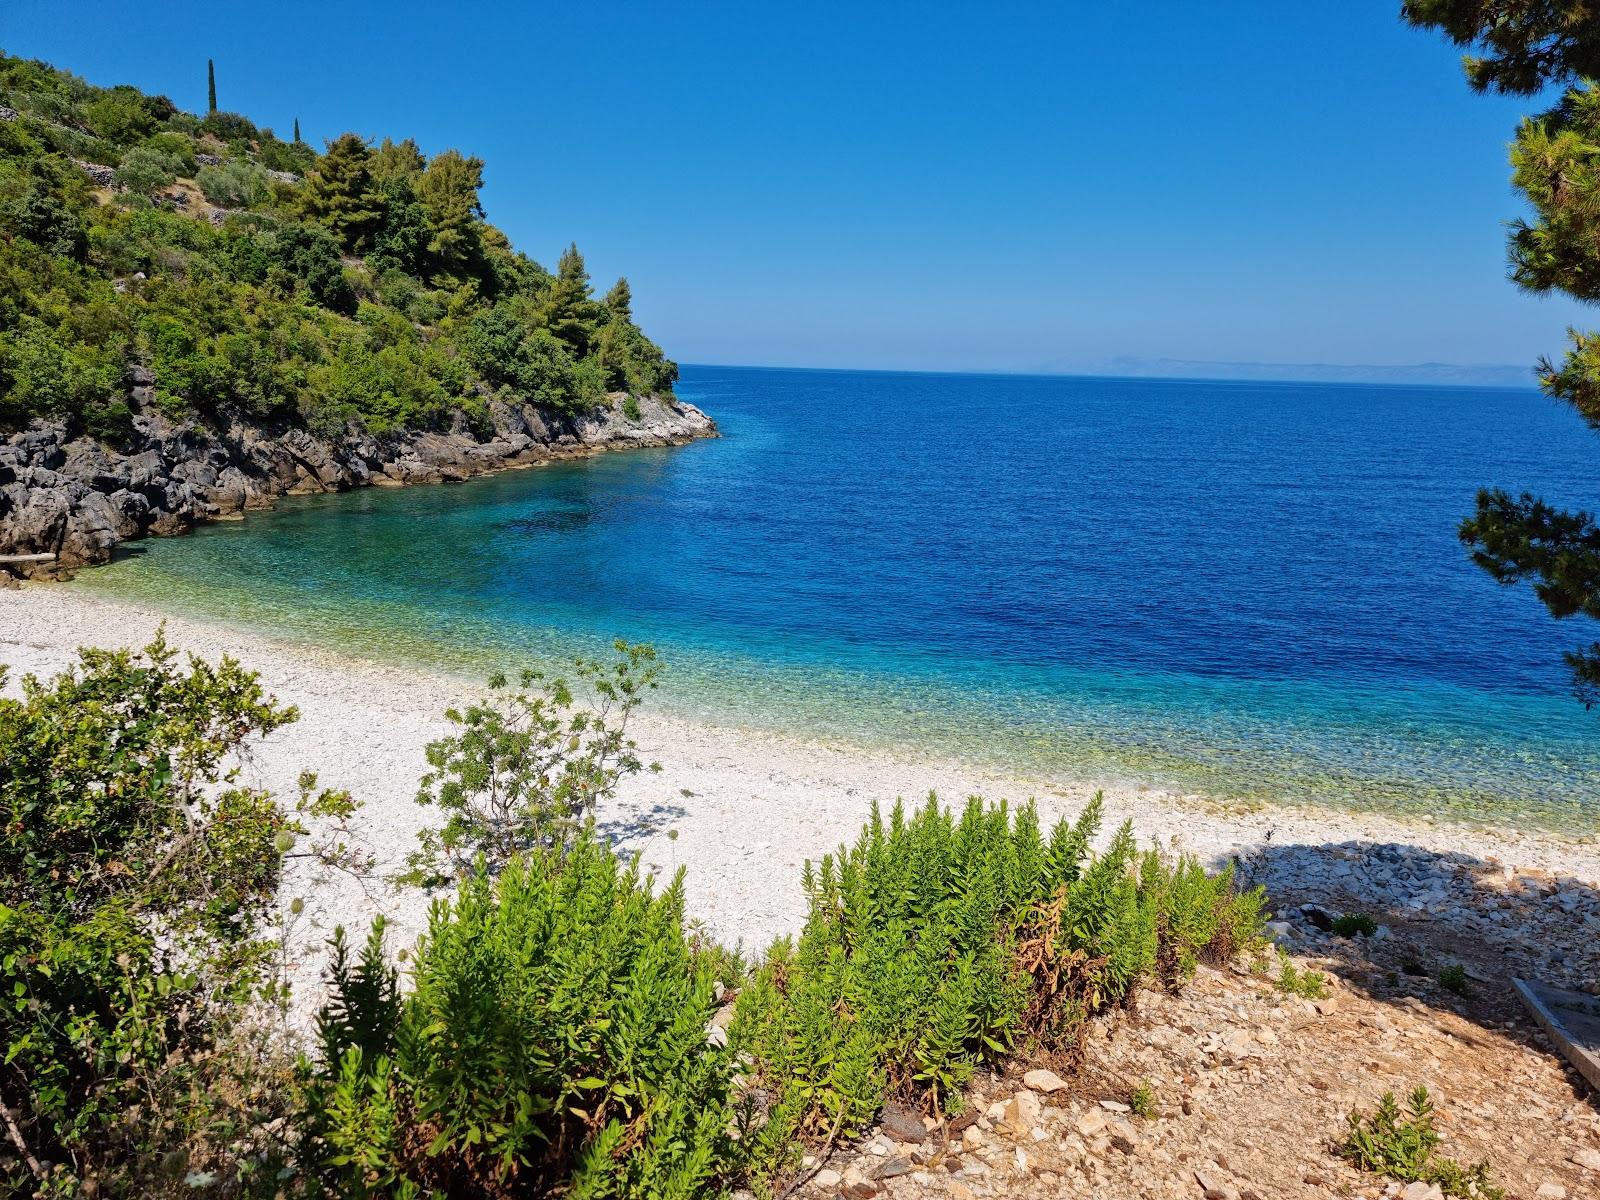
{"x": 1459, "y": 374}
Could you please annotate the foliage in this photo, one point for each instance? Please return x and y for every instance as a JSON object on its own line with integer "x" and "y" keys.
{"x": 529, "y": 766}
{"x": 1351, "y": 925}
{"x": 1401, "y": 1146}
{"x": 1292, "y": 981}
{"x": 1526, "y": 46}
{"x": 1453, "y": 978}
{"x": 269, "y": 314}
{"x": 935, "y": 944}
{"x": 1142, "y": 1102}
{"x": 554, "y": 1039}
{"x": 131, "y": 892}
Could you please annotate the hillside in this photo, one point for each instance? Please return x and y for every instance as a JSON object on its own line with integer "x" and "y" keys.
{"x": 199, "y": 289}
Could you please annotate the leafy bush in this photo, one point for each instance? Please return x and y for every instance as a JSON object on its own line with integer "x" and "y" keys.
{"x": 131, "y": 893}
{"x": 1401, "y": 1146}
{"x": 1354, "y": 925}
{"x": 1292, "y": 981}
{"x": 145, "y": 171}
{"x": 935, "y": 944}
{"x": 530, "y": 765}
{"x": 555, "y": 1040}
{"x": 234, "y": 184}
{"x": 1453, "y": 978}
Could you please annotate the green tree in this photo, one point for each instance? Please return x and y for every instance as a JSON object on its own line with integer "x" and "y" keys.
{"x": 339, "y": 193}
{"x": 528, "y": 766}
{"x": 145, "y": 170}
{"x": 394, "y": 160}
{"x": 569, "y": 311}
{"x": 297, "y": 131}
{"x": 619, "y": 301}
{"x": 211, "y": 86}
{"x": 1521, "y": 47}
{"x": 448, "y": 190}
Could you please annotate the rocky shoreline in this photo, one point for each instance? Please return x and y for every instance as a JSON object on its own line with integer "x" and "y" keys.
{"x": 76, "y": 499}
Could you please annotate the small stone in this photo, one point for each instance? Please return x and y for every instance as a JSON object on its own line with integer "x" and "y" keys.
{"x": 895, "y": 1167}
{"x": 1116, "y": 1106}
{"x": 1044, "y": 1081}
{"x": 1091, "y": 1123}
{"x": 828, "y": 1178}
{"x": 1589, "y": 1160}
{"x": 903, "y": 1126}
{"x": 1551, "y": 1191}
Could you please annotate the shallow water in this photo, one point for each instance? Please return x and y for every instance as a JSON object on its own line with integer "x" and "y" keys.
{"x": 1252, "y": 590}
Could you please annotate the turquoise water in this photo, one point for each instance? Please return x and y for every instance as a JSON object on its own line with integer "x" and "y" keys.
{"x": 1253, "y": 590}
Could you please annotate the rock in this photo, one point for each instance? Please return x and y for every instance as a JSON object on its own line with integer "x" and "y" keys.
{"x": 1551, "y": 1191}
{"x": 1091, "y": 1124}
{"x": 1588, "y": 1159}
{"x": 1421, "y": 1191}
{"x": 895, "y": 1167}
{"x": 1044, "y": 1081}
{"x": 1116, "y": 1106}
{"x": 1021, "y": 1113}
{"x": 827, "y": 1178}
{"x": 903, "y": 1126}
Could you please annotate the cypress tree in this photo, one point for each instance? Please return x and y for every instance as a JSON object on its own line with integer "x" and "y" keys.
{"x": 297, "y": 131}
{"x": 211, "y": 86}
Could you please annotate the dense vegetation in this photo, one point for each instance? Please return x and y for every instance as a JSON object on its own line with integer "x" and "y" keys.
{"x": 1522, "y": 47}
{"x": 561, "y": 1028}
{"x": 258, "y": 276}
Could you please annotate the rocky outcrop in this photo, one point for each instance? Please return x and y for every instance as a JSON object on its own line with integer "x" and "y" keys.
{"x": 77, "y": 499}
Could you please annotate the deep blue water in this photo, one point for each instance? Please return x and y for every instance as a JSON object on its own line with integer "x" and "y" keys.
{"x": 1251, "y": 589}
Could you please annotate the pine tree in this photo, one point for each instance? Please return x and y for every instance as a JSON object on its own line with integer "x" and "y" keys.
{"x": 339, "y": 193}
{"x": 619, "y": 301}
{"x": 1521, "y": 49}
{"x": 568, "y": 310}
{"x": 448, "y": 190}
{"x": 211, "y": 86}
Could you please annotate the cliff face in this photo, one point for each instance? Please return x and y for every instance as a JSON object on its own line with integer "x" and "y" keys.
{"x": 76, "y": 498}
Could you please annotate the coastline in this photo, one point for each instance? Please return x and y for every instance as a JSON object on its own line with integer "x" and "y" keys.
{"x": 748, "y": 807}
{"x": 68, "y": 501}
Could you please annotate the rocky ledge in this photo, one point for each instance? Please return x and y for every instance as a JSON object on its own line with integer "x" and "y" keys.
{"x": 76, "y": 498}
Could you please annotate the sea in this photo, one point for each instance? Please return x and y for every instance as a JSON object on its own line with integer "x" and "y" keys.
{"x": 1249, "y": 590}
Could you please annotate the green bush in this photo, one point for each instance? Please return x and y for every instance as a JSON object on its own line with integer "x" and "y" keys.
{"x": 554, "y": 1041}
{"x": 234, "y": 184}
{"x": 529, "y": 766}
{"x": 935, "y": 944}
{"x": 145, "y": 171}
{"x": 1354, "y": 925}
{"x": 131, "y": 896}
{"x": 1401, "y": 1146}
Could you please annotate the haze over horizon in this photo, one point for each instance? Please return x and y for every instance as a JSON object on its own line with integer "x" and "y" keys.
{"x": 1035, "y": 193}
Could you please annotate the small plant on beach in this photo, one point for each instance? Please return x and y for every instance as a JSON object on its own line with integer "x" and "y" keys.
{"x": 553, "y": 1043}
{"x": 1293, "y": 981}
{"x": 1354, "y": 925}
{"x": 1453, "y": 978}
{"x": 1143, "y": 1100}
{"x": 529, "y": 764}
{"x": 1400, "y": 1144}
{"x": 937, "y": 943}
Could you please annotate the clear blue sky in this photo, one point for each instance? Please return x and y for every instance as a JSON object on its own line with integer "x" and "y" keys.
{"x": 1002, "y": 186}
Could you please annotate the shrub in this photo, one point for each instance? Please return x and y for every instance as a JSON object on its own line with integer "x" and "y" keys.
{"x": 935, "y": 944}
{"x": 1401, "y": 1146}
{"x": 1292, "y": 981}
{"x": 555, "y": 1040}
{"x": 1143, "y": 1100}
{"x": 234, "y": 184}
{"x": 630, "y": 409}
{"x": 131, "y": 893}
{"x": 1354, "y": 925}
{"x": 145, "y": 171}
{"x": 1453, "y": 978}
{"x": 529, "y": 766}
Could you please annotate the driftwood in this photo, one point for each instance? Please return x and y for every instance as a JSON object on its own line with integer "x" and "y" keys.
{"x": 26, "y": 558}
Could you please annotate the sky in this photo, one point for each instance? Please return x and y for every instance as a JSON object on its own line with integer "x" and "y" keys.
{"x": 1015, "y": 187}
